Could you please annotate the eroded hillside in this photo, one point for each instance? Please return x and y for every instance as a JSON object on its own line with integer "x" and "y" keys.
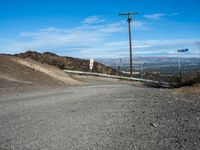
{"x": 67, "y": 62}
{"x": 21, "y": 74}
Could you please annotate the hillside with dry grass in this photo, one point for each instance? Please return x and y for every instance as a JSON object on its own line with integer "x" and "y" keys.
{"x": 67, "y": 62}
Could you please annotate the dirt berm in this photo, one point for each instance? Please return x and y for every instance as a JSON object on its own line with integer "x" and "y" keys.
{"x": 18, "y": 74}
{"x": 67, "y": 62}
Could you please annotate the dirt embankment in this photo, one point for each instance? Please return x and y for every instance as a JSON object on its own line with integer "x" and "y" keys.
{"x": 188, "y": 90}
{"x": 67, "y": 62}
{"x": 17, "y": 74}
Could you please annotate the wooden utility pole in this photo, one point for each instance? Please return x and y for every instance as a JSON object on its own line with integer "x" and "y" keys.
{"x": 129, "y": 14}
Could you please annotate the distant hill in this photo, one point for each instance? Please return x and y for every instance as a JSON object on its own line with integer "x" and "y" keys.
{"x": 152, "y": 60}
{"x": 67, "y": 62}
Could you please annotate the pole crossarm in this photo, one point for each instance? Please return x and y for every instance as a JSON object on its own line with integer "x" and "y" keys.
{"x": 128, "y": 14}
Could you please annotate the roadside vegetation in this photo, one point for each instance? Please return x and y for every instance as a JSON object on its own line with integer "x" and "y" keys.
{"x": 174, "y": 80}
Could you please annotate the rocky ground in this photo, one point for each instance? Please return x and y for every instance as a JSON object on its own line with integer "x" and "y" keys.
{"x": 105, "y": 115}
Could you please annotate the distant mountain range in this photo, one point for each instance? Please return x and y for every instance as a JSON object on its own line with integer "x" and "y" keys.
{"x": 142, "y": 60}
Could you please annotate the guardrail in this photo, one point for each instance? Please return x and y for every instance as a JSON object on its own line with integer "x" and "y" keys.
{"x": 149, "y": 82}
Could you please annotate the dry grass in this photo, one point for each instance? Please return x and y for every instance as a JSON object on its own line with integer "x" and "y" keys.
{"x": 67, "y": 62}
{"x": 194, "y": 89}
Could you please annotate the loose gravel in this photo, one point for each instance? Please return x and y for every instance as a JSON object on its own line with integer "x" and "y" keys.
{"x": 116, "y": 116}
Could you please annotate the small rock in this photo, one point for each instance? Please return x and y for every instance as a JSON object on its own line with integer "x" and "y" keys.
{"x": 154, "y": 124}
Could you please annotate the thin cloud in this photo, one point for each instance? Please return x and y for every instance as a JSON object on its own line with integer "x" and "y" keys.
{"x": 140, "y": 25}
{"x": 198, "y": 44}
{"x": 85, "y": 35}
{"x": 93, "y": 20}
{"x": 56, "y": 38}
{"x": 93, "y": 40}
{"x": 154, "y": 16}
{"x": 106, "y": 48}
{"x": 158, "y": 16}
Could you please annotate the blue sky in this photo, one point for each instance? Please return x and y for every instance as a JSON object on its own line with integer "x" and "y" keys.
{"x": 91, "y": 28}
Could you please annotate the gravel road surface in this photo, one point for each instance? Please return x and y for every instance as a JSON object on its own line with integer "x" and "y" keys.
{"x": 118, "y": 116}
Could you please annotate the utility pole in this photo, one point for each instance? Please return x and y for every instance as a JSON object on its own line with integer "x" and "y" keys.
{"x": 129, "y": 14}
{"x": 179, "y": 67}
{"x": 179, "y": 63}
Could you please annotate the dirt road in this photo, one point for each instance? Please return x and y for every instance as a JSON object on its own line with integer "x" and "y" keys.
{"x": 100, "y": 116}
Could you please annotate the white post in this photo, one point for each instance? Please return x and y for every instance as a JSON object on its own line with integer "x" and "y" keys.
{"x": 91, "y": 64}
{"x": 141, "y": 70}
